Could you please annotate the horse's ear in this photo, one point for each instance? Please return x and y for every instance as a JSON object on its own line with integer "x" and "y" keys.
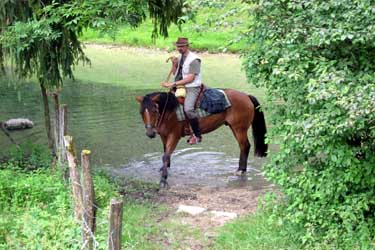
{"x": 139, "y": 98}
{"x": 155, "y": 98}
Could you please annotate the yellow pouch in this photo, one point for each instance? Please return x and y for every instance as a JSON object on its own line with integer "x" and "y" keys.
{"x": 180, "y": 91}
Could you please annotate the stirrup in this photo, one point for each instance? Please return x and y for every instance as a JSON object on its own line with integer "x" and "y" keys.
{"x": 194, "y": 140}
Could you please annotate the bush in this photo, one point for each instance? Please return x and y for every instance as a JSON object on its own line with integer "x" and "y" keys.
{"x": 21, "y": 190}
{"x": 36, "y": 211}
{"x": 315, "y": 59}
{"x": 29, "y": 156}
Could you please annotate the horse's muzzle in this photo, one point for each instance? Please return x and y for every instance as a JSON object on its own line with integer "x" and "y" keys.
{"x": 150, "y": 131}
{"x": 151, "y": 134}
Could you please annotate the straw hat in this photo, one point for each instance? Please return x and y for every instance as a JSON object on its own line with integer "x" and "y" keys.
{"x": 182, "y": 41}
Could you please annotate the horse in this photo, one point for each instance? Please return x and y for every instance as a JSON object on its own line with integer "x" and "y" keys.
{"x": 158, "y": 111}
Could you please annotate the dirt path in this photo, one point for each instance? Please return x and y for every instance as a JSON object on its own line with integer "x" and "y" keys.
{"x": 194, "y": 232}
{"x": 238, "y": 201}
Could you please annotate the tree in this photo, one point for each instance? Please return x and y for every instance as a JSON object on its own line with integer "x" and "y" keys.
{"x": 315, "y": 58}
{"x": 41, "y": 37}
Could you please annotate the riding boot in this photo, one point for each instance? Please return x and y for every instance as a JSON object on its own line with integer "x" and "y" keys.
{"x": 196, "y": 130}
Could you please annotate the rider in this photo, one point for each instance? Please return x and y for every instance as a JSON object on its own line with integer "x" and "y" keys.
{"x": 187, "y": 72}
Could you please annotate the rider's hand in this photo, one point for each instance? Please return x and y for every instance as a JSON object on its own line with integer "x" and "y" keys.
{"x": 167, "y": 84}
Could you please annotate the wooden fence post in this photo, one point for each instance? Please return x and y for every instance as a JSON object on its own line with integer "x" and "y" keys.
{"x": 74, "y": 177}
{"x": 115, "y": 225}
{"x": 88, "y": 223}
{"x": 56, "y": 123}
{"x": 61, "y": 152}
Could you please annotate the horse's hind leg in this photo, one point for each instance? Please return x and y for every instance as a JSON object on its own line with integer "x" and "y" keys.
{"x": 243, "y": 142}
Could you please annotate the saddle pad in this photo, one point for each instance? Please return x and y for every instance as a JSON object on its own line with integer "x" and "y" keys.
{"x": 201, "y": 113}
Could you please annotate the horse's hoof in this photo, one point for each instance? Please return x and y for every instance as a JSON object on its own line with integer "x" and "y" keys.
{"x": 164, "y": 183}
{"x": 240, "y": 172}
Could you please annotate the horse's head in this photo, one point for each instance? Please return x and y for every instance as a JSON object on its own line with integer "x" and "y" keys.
{"x": 150, "y": 113}
{"x": 154, "y": 108}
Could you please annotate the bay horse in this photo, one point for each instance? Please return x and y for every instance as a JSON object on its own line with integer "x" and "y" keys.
{"x": 158, "y": 111}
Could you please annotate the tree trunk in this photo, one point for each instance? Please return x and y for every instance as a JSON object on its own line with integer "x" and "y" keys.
{"x": 2, "y": 67}
{"x": 47, "y": 118}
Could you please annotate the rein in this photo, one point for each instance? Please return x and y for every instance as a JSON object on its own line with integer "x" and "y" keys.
{"x": 163, "y": 113}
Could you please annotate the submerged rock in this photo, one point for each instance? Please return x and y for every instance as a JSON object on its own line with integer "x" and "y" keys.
{"x": 18, "y": 123}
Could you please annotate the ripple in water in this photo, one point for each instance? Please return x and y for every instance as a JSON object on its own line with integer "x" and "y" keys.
{"x": 193, "y": 167}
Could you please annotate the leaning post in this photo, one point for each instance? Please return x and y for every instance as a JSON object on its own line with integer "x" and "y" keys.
{"x": 74, "y": 176}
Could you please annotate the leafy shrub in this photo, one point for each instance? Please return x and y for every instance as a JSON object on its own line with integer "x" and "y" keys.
{"x": 29, "y": 156}
{"x": 315, "y": 58}
{"x": 20, "y": 190}
{"x": 35, "y": 210}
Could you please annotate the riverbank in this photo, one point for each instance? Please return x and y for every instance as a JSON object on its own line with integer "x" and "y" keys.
{"x": 144, "y": 68}
{"x": 37, "y": 211}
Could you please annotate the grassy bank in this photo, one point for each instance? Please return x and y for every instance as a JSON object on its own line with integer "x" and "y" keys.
{"x": 36, "y": 212}
{"x": 212, "y": 30}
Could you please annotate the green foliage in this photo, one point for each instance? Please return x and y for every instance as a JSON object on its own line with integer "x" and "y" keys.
{"x": 29, "y": 156}
{"x": 39, "y": 42}
{"x": 35, "y": 208}
{"x": 260, "y": 231}
{"x": 36, "y": 213}
{"x": 317, "y": 58}
{"x": 214, "y": 26}
{"x": 36, "y": 188}
{"x": 41, "y": 36}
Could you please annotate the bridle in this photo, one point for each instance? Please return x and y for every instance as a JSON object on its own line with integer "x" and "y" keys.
{"x": 159, "y": 117}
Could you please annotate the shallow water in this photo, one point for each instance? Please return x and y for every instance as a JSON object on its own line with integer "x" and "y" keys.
{"x": 106, "y": 120}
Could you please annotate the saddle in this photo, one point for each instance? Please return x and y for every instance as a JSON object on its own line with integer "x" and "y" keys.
{"x": 210, "y": 101}
{"x": 180, "y": 93}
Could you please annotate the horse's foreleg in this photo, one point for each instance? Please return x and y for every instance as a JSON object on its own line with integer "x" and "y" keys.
{"x": 243, "y": 142}
{"x": 168, "y": 159}
{"x": 170, "y": 145}
{"x": 164, "y": 170}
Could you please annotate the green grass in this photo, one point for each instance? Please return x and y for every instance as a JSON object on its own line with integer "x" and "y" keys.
{"x": 254, "y": 232}
{"x": 204, "y": 36}
{"x": 37, "y": 213}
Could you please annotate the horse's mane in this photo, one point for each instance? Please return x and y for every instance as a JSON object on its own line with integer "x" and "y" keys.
{"x": 167, "y": 102}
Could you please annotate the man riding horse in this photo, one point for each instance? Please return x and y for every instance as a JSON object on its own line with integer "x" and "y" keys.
{"x": 187, "y": 72}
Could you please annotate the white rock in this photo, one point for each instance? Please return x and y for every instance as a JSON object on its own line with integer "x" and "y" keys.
{"x": 224, "y": 214}
{"x": 18, "y": 123}
{"x": 190, "y": 210}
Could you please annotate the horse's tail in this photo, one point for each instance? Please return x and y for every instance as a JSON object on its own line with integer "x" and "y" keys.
{"x": 259, "y": 129}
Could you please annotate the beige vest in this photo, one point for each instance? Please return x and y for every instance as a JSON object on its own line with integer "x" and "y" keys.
{"x": 185, "y": 69}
